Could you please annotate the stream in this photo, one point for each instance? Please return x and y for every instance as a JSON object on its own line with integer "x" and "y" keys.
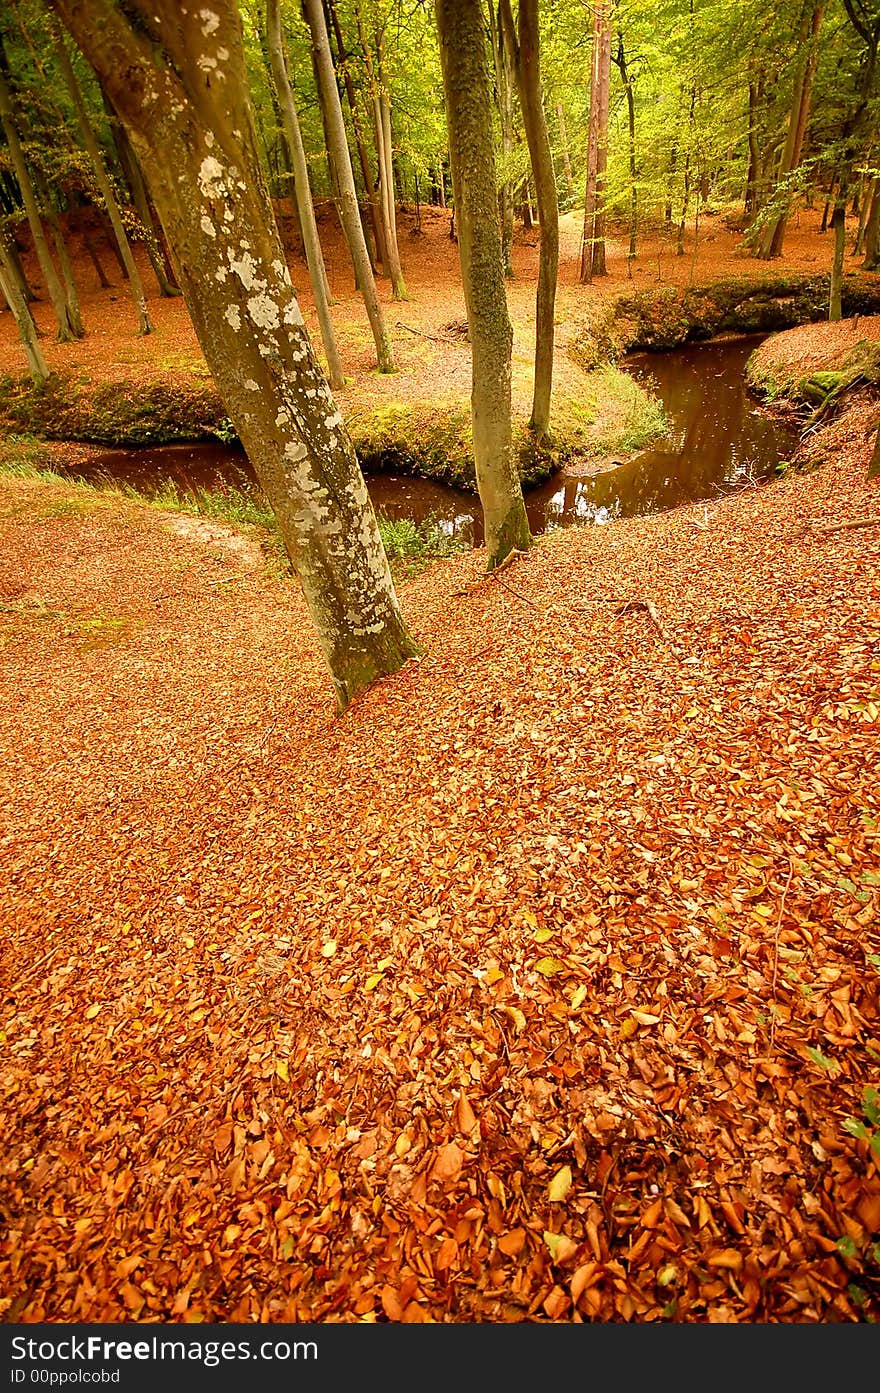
{"x": 719, "y": 441}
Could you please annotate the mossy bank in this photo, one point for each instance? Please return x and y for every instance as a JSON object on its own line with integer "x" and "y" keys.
{"x": 596, "y": 415}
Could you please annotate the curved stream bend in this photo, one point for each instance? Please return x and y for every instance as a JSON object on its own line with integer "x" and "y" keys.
{"x": 719, "y": 441}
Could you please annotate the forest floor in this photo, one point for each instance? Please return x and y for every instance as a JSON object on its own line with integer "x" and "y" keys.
{"x": 542, "y": 986}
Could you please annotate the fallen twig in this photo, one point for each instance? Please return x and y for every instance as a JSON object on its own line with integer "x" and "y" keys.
{"x": 421, "y": 334}
{"x": 824, "y": 530}
{"x": 652, "y": 612}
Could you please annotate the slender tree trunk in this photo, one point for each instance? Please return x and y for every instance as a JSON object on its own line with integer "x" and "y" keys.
{"x": 593, "y": 244}
{"x": 103, "y": 181}
{"x": 750, "y": 202}
{"x": 24, "y": 320}
{"x": 838, "y": 227}
{"x": 153, "y": 240}
{"x": 64, "y": 318}
{"x": 565, "y": 150}
{"x": 349, "y": 211}
{"x": 868, "y": 185}
{"x": 808, "y": 49}
{"x": 469, "y": 118}
{"x": 91, "y": 250}
{"x": 504, "y": 94}
{"x": 385, "y": 158}
{"x": 872, "y": 231}
{"x": 195, "y": 135}
{"x": 441, "y": 182}
{"x": 304, "y": 204}
{"x": 70, "y": 291}
{"x": 598, "y": 267}
{"x": 360, "y": 139}
{"x": 626, "y": 79}
{"x": 525, "y": 48}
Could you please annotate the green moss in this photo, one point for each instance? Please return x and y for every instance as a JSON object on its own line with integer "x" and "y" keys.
{"x": 112, "y": 413}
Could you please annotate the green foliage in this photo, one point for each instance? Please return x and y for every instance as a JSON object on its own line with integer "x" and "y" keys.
{"x": 869, "y": 1130}
{"x": 410, "y": 546}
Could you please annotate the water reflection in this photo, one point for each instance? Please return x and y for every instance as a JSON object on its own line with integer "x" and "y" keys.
{"x": 718, "y": 442}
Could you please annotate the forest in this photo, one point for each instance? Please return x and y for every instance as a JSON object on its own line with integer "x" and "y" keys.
{"x": 439, "y": 662}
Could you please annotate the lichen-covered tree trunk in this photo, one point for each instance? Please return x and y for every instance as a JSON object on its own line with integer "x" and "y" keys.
{"x": 177, "y": 79}
{"x": 102, "y": 179}
{"x": 27, "y": 329}
{"x": 349, "y": 212}
{"x": 67, "y": 328}
{"x": 469, "y": 117}
{"x": 525, "y": 46}
{"x": 302, "y": 189}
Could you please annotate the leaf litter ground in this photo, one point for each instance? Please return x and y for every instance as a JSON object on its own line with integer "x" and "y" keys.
{"x": 541, "y": 987}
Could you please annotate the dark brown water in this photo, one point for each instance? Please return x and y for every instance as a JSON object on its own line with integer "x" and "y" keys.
{"x": 719, "y": 441}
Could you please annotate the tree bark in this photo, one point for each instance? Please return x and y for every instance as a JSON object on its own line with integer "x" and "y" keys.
{"x": 360, "y": 139}
{"x": 65, "y": 320}
{"x": 564, "y": 150}
{"x": 808, "y": 50}
{"x": 349, "y": 211}
{"x": 525, "y": 48}
{"x": 504, "y": 100}
{"x": 626, "y": 79}
{"x": 156, "y": 250}
{"x": 24, "y": 320}
{"x": 103, "y": 181}
{"x": 872, "y": 231}
{"x": 469, "y": 117}
{"x": 385, "y": 159}
{"x": 593, "y": 245}
{"x": 302, "y": 189}
{"x": 190, "y": 120}
{"x": 838, "y": 227}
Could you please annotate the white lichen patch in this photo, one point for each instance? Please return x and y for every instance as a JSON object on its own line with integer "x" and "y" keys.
{"x": 251, "y": 386}
{"x": 232, "y": 316}
{"x": 209, "y": 229}
{"x": 212, "y": 182}
{"x": 222, "y": 54}
{"x": 263, "y": 311}
{"x": 245, "y": 268}
{"x": 206, "y": 63}
{"x": 293, "y": 315}
{"x": 210, "y": 22}
{"x": 220, "y": 274}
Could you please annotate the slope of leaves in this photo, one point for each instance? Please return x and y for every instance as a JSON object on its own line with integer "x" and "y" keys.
{"x": 539, "y": 988}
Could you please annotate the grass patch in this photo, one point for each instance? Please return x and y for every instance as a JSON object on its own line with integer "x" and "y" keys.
{"x": 409, "y": 546}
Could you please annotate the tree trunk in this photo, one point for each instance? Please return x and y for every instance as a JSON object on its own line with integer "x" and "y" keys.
{"x": 525, "y": 48}
{"x": 360, "y": 140}
{"x": 808, "y": 49}
{"x": 872, "y": 231}
{"x": 598, "y": 268}
{"x": 349, "y": 211}
{"x": 159, "y": 260}
{"x": 70, "y": 291}
{"x": 302, "y": 189}
{"x": 90, "y": 248}
{"x": 626, "y": 79}
{"x": 504, "y": 92}
{"x": 469, "y": 118}
{"x": 593, "y": 243}
{"x": 24, "y": 320}
{"x": 750, "y": 201}
{"x": 65, "y": 320}
{"x": 838, "y": 227}
{"x": 386, "y": 169}
{"x": 190, "y": 120}
{"x": 103, "y": 181}
{"x": 564, "y": 150}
